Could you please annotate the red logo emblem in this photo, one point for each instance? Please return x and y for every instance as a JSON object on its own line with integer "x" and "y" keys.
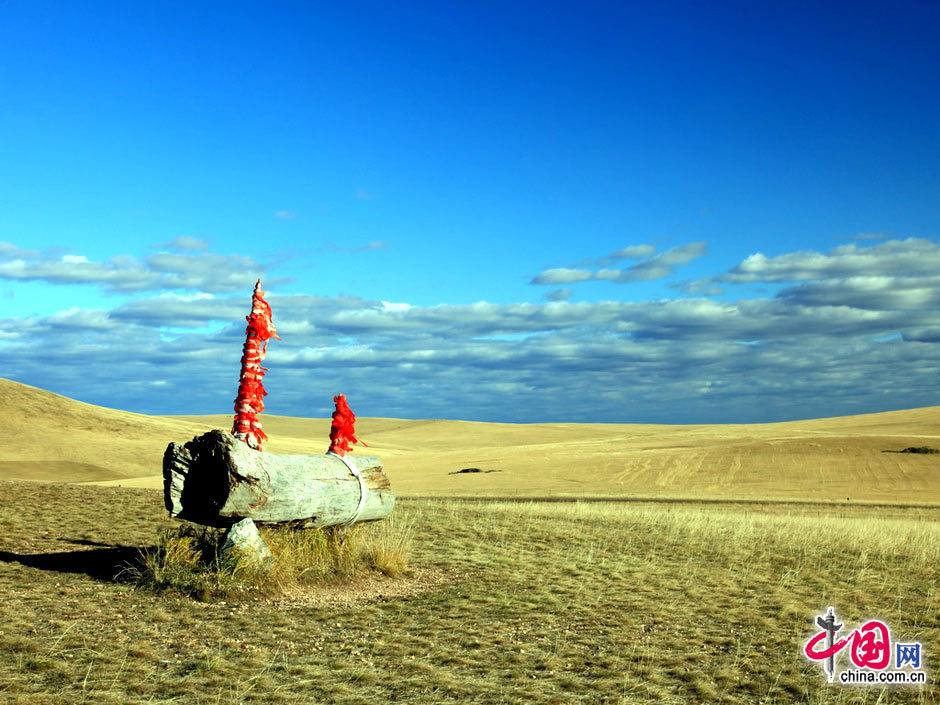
{"x": 869, "y": 645}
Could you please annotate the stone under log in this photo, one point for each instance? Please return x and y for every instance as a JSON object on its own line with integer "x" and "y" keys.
{"x": 217, "y": 479}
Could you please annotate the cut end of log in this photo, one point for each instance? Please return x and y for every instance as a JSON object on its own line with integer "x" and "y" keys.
{"x": 195, "y": 482}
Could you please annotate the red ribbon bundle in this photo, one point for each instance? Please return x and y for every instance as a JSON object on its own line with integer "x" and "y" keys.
{"x": 250, "y": 400}
{"x": 343, "y": 427}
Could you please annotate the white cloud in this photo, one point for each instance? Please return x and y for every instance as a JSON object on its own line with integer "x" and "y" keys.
{"x": 650, "y": 267}
{"x": 82, "y": 319}
{"x": 180, "y": 311}
{"x": 858, "y": 341}
{"x": 8, "y": 249}
{"x": 395, "y": 307}
{"x": 906, "y": 258}
{"x": 162, "y": 270}
{"x": 562, "y": 275}
{"x": 700, "y": 287}
{"x": 559, "y": 294}
{"x": 632, "y": 252}
{"x": 185, "y": 243}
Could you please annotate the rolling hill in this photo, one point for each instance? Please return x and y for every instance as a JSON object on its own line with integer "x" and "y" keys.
{"x": 52, "y": 438}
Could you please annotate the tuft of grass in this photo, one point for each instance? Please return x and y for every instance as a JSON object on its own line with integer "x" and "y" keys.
{"x": 186, "y": 559}
{"x": 388, "y": 549}
{"x": 189, "y": 560}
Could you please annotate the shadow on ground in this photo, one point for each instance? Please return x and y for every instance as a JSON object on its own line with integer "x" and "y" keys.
{"x": 108, "y": 564}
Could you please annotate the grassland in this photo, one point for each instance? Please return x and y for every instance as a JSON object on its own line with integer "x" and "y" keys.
{"x": 507, "y": 603}
{"x": 704, "y": 598}
{"x": 846, "y": 459}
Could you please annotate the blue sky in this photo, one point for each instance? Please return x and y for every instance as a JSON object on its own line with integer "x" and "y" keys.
{"x": 599, "y": 174}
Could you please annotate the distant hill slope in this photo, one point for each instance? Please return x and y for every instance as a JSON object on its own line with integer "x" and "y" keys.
{"x": 53, "y": 438}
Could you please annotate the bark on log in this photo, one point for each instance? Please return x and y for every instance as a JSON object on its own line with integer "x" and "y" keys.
{"x": 217, "y": 479}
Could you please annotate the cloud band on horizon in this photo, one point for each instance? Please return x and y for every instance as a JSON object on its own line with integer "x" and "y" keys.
{"x": 856, "y": 329}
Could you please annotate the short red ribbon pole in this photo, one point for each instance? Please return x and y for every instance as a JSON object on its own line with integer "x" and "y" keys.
{"x": 343, "y": 427}
{"x": 250, "y": 400}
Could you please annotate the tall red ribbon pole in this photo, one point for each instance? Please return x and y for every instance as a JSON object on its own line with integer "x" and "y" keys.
{"x": 250, "y": 400}
{"x": 343, "y": 427}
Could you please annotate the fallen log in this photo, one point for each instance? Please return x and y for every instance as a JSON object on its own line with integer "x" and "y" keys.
{"x": 217, "y": 479}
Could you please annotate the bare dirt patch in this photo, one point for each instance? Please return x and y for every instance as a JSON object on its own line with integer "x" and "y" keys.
{"x": 370, "y": 588}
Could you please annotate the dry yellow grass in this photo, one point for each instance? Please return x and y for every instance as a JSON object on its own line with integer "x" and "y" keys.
{"x": 50, "y": 437}
{"x": 512, "y": 602}
{"x": 53, "y": 438}
{"x": 520, "y": 603}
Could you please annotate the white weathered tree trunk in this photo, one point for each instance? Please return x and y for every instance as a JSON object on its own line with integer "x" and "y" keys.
{"x": 216, "y": 479}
